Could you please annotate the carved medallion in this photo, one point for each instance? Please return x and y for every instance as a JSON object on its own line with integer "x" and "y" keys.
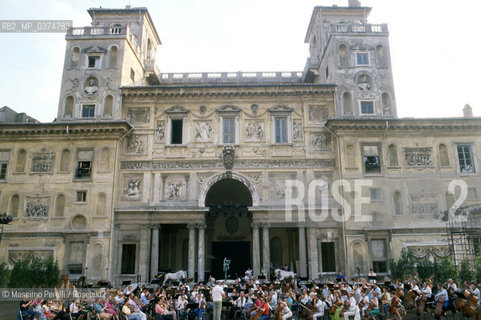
{"x": 228, "y": 156}
{"x": 91, "y": 86}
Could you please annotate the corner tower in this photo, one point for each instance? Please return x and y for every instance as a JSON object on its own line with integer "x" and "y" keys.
{"x": 118, "y": 49}
{"x": 348, "y": 51}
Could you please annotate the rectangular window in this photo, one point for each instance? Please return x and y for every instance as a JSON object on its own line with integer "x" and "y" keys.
{"x": 281, "y": 130}
{"x": 367, "y": 107}
{"x": 88, "y": 111}
{"x": 362, "y": 58}
{"x": 81, "y": 196}
{"x": 465, "y": 159}
{"x": 328, "y": 257}
{"x": 3, "y": 171}
{"x": 94, "y": 62}
{"x": 378, "y": 253}
{"x": 176, "y": 127}
{"x": 372, "y": 163}
{"x": 228, "y": 128}
{"x": 128, "y": 259}
{"x": 375, "y": 194}
{"x": 84, "y": 169}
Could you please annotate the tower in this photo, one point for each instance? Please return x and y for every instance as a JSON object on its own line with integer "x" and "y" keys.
{"x": 118, "y": 49}
{"x": 348, "y": 51}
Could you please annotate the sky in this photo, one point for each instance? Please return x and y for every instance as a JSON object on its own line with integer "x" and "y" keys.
{"x": 435, "y": 50}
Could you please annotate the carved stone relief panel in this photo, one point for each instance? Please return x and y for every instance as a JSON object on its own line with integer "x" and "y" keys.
{"x": 297, "y": 130}
{"x": 16, "y": 255}
{"x": 318, "y": 113}
{"x": 202, "y": 177}
{"x": 424, "y": 203}
{"x": 277, "y": 185}
{"x": 255, "y": 176}
{"x": 320, "y": 141}
{"x": 43, "y": 162}
{"x": 135, "y": 143}
{"x": 79, "y": 222}
{"x": 175, "y": 187}
{"x": 138, "y": 115}
{"x": 36, "y": 207}
{"x": 202, "y": 131}
{"x": 254, "y": 131}
{"x": 91, "y": 85}
{"x": 418, "y": 157}
{"x": 133, "y": 185}
{"x": 160, "y": 131}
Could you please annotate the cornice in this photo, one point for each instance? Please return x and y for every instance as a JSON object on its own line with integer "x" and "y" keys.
{"x": 100, "y": 129}
{"x": 230, "y": 90}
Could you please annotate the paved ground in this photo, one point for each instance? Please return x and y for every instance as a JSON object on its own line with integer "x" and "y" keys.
{"x": 8, "y": 310}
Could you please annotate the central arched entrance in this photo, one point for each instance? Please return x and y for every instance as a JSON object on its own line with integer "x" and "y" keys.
{"x": 228, "y": 228}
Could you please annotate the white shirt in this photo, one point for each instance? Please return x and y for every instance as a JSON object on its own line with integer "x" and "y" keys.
{"x": 352, "y": 305}
{"x": 217, "y": 293}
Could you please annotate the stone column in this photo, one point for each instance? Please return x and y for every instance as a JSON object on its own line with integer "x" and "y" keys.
{"x": 266, "y": 259}
{"x": 302, "y": 251}
{"x": 313, "y": 254}
{"x": 144, "y": 254}
{"x": 201, "y": 254}
{"x": 191, "y": 263}
{"x": 256, "y": 249}
{"x": 154, "y": 256}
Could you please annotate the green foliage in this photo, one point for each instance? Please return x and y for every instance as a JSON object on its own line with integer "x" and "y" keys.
{"x": 404, "y": 267}
{"x": 4, "y": 275}
{"x": 34, "y": 273}
{"x": 445, "y": 269}
{"x": 478, "y": 268}
{"x": 465, "y": 272}
{"x": 425, "y": 269}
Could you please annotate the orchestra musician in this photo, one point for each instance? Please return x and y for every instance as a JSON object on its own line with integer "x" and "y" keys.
{"x": 353, "y": 308}
{"x": 181, "y": 307}
{"x": 442, "y": 293}
{"x": 286, "y": 311}
{"x": 319, "y": 307}
{"x": 217, "y": 296}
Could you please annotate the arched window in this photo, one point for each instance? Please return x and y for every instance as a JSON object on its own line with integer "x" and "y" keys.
{"x": 443, "y": 155}
{"x": 343, "y": 56}
{"x": 381, "y": 56}
{"x": 65, "y": 161}
{"x": 59, "y": 206}
{"x": 386, "y": 104}
{"x": 392, "y": 153}
{"x": 21, "y": 158}
{"x": 108, "y": 105}
{"x": 113, "y": 56}
{"x": 68, "y": 109}
{"x": 358, "y": 257}
{"x": 100, "y": 207}
{"x": 397, "y": 203}
{"x": 276, "y": 251}
{"x": 13, "y": 207}
{"x": 347, "y": 103}
{"x": 75, "y": 57}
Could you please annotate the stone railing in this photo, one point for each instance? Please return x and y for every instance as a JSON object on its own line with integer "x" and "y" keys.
{"x": 231, "y": 77}
{"x": 359, "y": 27}
{"x": 97, "y": 31}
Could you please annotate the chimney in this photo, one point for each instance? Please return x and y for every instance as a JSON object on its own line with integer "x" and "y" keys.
{"x": 354, "y": 3}
{"x": 468, "y": 111}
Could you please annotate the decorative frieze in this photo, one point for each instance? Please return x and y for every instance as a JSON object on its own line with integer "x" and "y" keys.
{"x": 418, "y": 157}
{"x": 36, "y": 207}
{"x": 217, "y": 164}
{"x": 18, "y": 254}
{"x": 43, "y": 162}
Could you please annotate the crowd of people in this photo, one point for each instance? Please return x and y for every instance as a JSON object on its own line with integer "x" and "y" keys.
{"x": 254, "y": 298}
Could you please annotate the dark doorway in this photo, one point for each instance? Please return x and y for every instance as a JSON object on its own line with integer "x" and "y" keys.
{"x": 239, "y": 254}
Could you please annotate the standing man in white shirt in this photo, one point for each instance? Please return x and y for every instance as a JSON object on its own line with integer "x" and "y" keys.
{"x": 217, "y": 296}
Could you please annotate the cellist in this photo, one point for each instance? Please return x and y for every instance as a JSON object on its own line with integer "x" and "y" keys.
{"x": 353, "y": 308}
{"x": 286, "y": 311}
{"x": 441, "y": 293}
{"x": 319, "y": 307}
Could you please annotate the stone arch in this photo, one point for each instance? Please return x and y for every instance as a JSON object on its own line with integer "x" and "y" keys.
{"x": 75, "y": 57}
{"x": 358, "y": 254}
{"x": 255, "y": 194}
{"x": 96, "y": 253}
{"x": 113, "y": 53}
{"x": 21, "y": 159}
{"x": 69, "y": 106}
{"x": 59, "y": 205}
{"x": 14, "y": 205}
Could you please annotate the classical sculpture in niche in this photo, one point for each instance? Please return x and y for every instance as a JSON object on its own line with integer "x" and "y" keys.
{"x": 202, "y": 131}
{"x": 160, "y": 131}
{"x": 228, "y": 156}
{"x": 297, "y": 133}
{"x": 364, "y": 82}
{"x": 254, "y": 131}
{"x": 91, "y": 85}
{"x": 321, "y": 141}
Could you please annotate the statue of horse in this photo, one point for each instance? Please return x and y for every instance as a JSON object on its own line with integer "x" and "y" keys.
{"x": 178, "y": 276}
{"x": 283, "y": 274}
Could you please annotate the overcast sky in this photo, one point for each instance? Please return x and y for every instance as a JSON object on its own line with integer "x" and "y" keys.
{"x": 435, "y": 48}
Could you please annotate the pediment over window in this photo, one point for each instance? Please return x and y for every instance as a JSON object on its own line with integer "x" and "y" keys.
{"x": 228, "y": 108}
{"x": 177, "y": 110}
{"x": 94, "y": 49}
{"x": 280, "y": 108}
